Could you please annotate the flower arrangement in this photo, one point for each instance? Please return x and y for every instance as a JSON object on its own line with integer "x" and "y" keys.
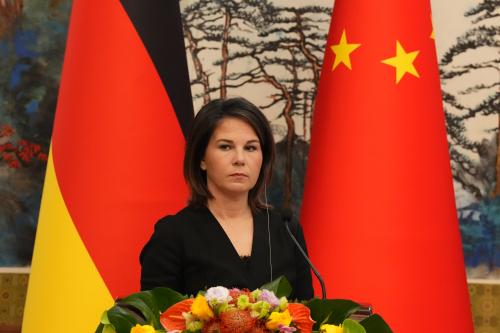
{"x": 223, "y": 310}
{"x": 234, "y": 310}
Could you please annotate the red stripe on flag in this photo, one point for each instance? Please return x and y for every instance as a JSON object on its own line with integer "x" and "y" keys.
{"x": 117, "y": 144}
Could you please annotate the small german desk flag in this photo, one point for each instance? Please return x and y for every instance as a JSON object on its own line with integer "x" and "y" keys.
{"x": 379, "y": 212}
{"x": 115, "y": 164}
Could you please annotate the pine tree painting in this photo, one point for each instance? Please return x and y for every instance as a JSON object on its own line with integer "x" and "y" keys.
{"x": 470, "y": 76}
{"x": 269, "y": 53}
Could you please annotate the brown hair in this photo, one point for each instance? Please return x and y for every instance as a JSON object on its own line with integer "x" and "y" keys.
{"x": 202, "y": 129}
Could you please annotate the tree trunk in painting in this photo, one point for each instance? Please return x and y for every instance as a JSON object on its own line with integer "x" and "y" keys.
{"x": 225, "y": 53}
{"x": 201, "y": 76}
{"x": 290, "y": 135}
{"x": 313, "y": 60}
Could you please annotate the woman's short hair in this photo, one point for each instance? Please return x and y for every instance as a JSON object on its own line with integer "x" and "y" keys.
{"x": 204, "y": 125}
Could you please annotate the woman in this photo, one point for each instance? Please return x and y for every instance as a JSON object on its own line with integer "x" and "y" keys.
{"x": 227, "y": 235}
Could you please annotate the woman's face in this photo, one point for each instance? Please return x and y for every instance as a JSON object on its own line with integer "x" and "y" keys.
{"x": 233, "y": 158}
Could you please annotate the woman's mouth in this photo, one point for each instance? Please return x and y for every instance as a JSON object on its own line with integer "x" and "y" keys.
{"x": 237, "y": 174}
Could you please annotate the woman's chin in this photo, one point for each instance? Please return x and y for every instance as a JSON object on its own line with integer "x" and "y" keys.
{"x": 236, "y": 190}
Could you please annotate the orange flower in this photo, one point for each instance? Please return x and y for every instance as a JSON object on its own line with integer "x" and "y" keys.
{"x": 301, "y": 316}
{"x": 172, "y": 319}
{"x": 235, "y": 321}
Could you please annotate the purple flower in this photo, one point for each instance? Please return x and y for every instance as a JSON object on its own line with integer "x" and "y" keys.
{"x": 286, "y": 329}
{"x": 269, "y": 297}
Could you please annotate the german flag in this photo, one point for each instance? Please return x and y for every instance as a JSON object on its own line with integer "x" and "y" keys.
{"x": 115, "y": 164}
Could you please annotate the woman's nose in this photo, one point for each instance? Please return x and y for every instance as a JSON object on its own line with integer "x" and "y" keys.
{"x": 239, "y": 156}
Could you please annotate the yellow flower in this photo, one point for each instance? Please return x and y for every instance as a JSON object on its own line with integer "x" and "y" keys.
{"x": 200, "y": 308}
{"x": 278, "y": 318}
{"x": 327, "y": 328}
{"x": 142, "y": 329}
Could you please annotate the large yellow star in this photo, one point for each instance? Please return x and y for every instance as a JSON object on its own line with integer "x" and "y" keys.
{"x": 403, "y": 62}
{"x": 342, "y": 51}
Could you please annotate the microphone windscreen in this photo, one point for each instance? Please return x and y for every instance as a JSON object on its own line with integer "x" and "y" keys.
{"x": 286, "y": 214}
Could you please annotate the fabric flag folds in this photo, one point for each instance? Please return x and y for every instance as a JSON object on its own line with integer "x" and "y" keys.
{"x": 379, "y": 212}
{"x": 115, "y": 164}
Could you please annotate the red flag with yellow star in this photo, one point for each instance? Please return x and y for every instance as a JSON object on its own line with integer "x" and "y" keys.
{"x": 379, "y": 211}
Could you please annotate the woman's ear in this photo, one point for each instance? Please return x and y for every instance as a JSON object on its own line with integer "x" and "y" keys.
{"x": 203, "y": 166}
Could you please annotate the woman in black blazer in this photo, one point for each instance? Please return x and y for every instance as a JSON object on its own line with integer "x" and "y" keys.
{"x": 228, "y": 234}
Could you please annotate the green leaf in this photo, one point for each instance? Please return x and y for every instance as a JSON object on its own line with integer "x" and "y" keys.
{"x": 108, "y": 329}
{"x": 375, "y": 324}
{"x": 352, "y": 326}
{"x": 280, "y": 287}
{"x": 144, "y": 303}
{"x": 104, "y": 318}
{"x": 330, "y": 311}
{"x": 122, "y": 319}
{"x": 99, "y": 328}
{"x": 166, "y": 297}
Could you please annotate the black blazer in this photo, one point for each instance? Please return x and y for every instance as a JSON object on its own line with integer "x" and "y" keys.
{"x": 190, "y": 251}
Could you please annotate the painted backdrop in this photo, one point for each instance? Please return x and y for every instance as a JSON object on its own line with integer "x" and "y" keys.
{"x": 32, "y": 40}
{"x": 270, "y": 52}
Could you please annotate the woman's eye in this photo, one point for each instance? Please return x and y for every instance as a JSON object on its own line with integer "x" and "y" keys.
{"x": 224, "y": 147}
{"x": 251, "y": 148}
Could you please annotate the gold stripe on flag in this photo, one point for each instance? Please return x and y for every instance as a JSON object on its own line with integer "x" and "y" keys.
{"x": 63, "y": 275}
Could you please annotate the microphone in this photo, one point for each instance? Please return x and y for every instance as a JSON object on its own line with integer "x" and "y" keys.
{"x": 286, "y": 216}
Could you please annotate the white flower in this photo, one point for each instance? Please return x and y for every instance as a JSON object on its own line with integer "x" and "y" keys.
{"x": 218, "y": 295}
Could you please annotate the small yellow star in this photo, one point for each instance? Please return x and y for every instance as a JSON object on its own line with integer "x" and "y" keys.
{"x": 342, "y": 51}
{"x": 403, "y": 62}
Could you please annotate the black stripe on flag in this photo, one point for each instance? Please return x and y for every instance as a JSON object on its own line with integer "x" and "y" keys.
{"x": 158, "y": 23}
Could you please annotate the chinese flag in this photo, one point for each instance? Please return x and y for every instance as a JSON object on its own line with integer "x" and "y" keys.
{"x": 379, "y": 211}
{"x": 115, "y": 164}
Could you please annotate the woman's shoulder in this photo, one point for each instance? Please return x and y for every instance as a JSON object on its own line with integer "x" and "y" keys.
{"x": 181, "y": 220}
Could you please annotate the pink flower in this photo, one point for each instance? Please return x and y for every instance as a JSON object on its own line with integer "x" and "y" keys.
{"x": 269, "y": 297}
{"x": 286, "y": 329}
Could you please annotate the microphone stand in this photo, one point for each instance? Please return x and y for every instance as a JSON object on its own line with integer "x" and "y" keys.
{"x": 318, "y": 276}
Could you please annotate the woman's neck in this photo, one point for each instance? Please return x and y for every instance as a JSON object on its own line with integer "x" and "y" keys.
{"x": 229, "y": 208}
